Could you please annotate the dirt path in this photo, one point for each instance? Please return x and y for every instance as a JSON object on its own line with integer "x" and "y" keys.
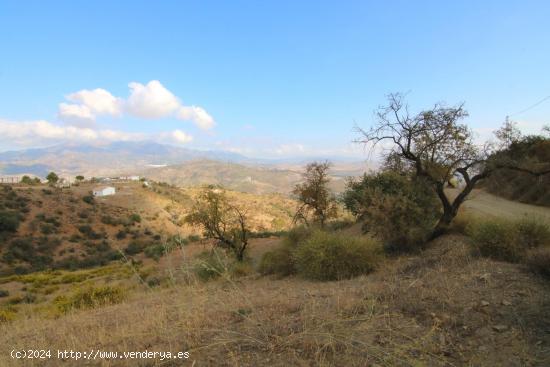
{"x": 484, "y": 204}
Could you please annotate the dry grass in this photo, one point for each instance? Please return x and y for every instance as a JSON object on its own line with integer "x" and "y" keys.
{"x": 442, "y": 309}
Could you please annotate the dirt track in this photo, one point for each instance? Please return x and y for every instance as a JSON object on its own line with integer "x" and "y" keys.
{"x": 482, "y": 203}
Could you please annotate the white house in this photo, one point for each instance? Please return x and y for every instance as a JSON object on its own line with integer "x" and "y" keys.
{"x": 104, "y": 191}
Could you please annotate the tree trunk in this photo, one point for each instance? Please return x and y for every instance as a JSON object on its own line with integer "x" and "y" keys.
{"x": 444, "y": 222}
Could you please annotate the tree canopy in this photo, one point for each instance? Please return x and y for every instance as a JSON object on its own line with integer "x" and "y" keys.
{"x": 315, "y": 201}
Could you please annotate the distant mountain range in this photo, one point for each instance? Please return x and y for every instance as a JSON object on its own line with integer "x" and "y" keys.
{"x": 180, "y": 166}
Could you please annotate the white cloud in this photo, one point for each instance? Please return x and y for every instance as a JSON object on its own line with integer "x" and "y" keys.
{"x": 196, "y": 114}
{"x": 76, "y": 114}
{"x": 151, "y": 101}
{"x": 181, "y": 137}
{"x": 40, "y": 132}
{"x": 146, "y": 101}
{"x": 99, "y": 101}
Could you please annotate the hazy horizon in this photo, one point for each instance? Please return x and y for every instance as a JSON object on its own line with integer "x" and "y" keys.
{"x": 196, "y": 76}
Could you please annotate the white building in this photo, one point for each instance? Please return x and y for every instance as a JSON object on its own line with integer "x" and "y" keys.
{"x": 104, "y": 191}
{"x": 129, "y": 178}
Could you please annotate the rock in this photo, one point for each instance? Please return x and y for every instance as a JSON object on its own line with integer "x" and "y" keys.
{"x": 506, "y": 303}
{"x": 500, "y": 328}
{"x": 484, "y": 303}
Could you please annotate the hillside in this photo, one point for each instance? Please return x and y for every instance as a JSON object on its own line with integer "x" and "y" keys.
{"x": 532, "y": 152}
{"x": 230, "y": 175}
{"x": 102, "y": 160}
{"x": 69, "y": 229}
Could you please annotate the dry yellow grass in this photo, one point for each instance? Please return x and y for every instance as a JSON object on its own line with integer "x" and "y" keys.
{"x": 444, "y": 308}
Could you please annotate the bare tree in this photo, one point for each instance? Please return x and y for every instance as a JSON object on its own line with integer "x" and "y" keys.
{"x": 220, "y": 220}
{"x": 438, "y": 146}
{"x": 314, "y": 197}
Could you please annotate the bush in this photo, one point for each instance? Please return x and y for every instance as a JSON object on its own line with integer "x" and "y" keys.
{"x": 89, "y": 232}
{"x": 47, "y": 228}
{"x": 9, "y": 221}
{"x": 211, "y": 264}
{"x": 333, "y": 256}
{"x": 89, "y": 298}
{"x": 538, "y": 261}
{"x": 107, "y": 219}
{"x": 278, "y": 261}
{"x": 297, "y": 235}
{"x": 121, "y": 234}
{"x": 88, "y": 199}
{"x": 4, "y": 293}
{"x": 497, "y": 239}
{"x": 135, "y": 247}
{"x": 134, "y": 218}
{"x": 533, "y": 232}
{"x": 400, "y": 210}
{"x": 154, "y": 251}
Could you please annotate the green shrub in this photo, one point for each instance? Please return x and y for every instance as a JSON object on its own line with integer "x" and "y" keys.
{"x": 497, "y": 239}
{"x": 121, "y": 234}
{"x": 177, "y": 241}
{"x": 135, "y": 247}
{"x": 278, "y": 261}
{"x": 107, "y": 219}
{"x": 334, "y": 256}
{"x": 210, "y": 264}
{"x": 88, "y": 199}
{"x": 533, "y": 232}
{"x": 4, "y": 293}
{"x": 154, "y": 251}
{"x": 9, "y": 221}
{"x": 89, "y": 298}
{"x": 400, "y": 210}
{"x": 89, "y": 232}
{"x": 134, "y": 218}
{"x": 538, "y": 261}
{"x": 281, "y": 261}
{"x": 47, "y": 228}
{"x": 297, "y": 235}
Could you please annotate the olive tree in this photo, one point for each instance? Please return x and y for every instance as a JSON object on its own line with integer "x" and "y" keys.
{"x": 220, "y": 220}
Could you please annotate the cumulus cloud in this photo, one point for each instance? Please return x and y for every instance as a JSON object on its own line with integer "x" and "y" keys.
{"x": 196, "y": 114}
{"x": 76, "y": 114}
{"x": 99, "y": 101}
{"x": 32, "y": 133}
{"x": 146, "y": 101}
{"x": 151, "y": 101}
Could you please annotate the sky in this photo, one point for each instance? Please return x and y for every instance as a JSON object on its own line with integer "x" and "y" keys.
{"x": 262, "y": 78}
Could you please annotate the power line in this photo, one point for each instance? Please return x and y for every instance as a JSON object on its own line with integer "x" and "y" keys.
{"x": 530, "y": 107}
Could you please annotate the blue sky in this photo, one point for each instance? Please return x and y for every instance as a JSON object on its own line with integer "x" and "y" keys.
{"x": 265, "y": 78}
